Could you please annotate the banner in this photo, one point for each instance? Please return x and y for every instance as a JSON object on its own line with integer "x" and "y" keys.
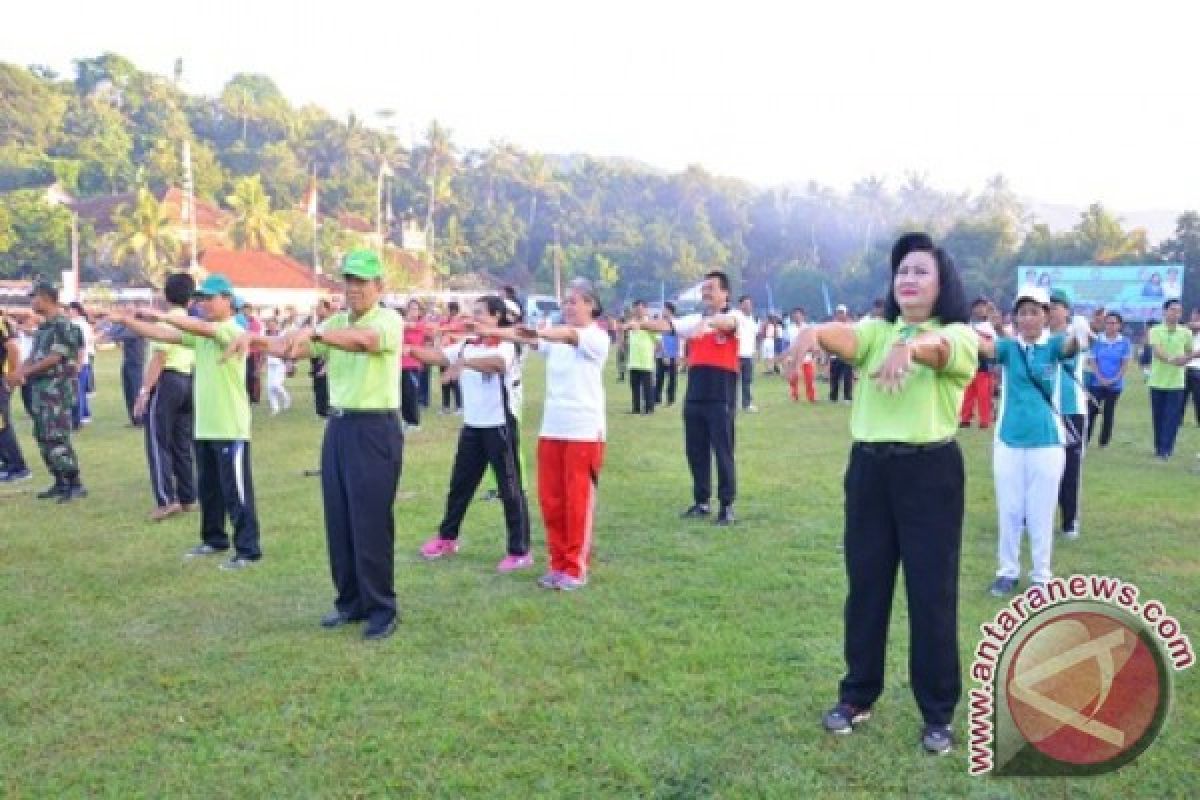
{"x": 1137, "y": 292}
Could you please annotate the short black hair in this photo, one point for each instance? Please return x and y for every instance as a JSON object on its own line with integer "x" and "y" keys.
{"x": 452, "y": 307}
{"x": 669, "y": 306}
{"x": 496, "y": 307}
{"x": 745, "y": 297}
{"x": 979, "y": 301}
{"x": 1173, "y": 301}
{"x": 1116, "y": 314}
{"x": 800, "y": 309}
{"x": 178, "y": 288}
{"x": 720, "y": 277}
{"x": 637, "y": 303}
{"x": 951, "y": 303}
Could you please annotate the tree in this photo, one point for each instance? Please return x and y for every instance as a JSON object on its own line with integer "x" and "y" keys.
{"x": 95, "y": 134}
{"x": 31, "y": 110}
{"x": 35, "y": 238}
{"x": 255, "y": 226}
{"x": 1102, "y": 240}
{"x": 436, "y": 164}
{"x": 1184, "y": 248}
{"x": 144, "y": 234}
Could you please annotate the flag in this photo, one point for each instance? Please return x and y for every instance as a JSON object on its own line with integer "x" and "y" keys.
{"x": 828, "y": 305}
{"x": 310, "y": 198}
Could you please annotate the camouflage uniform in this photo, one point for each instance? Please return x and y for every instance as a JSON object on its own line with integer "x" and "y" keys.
{"x": 53, "y": 397}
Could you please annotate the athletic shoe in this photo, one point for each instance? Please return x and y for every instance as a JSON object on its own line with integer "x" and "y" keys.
{"x": 696, "y": 511}
{"x": 937, "y": 740}
{"x": 751, "y": 409}
{"x": 725, "y": 516}
{"x": 490, "y": 495}
{"x": 204, "y": 550}
{"x": 52, "y": 492}
{"x": 235, "y": 563}
{"x": 842, "y": 718}
{"x": 511, "y": 563}
{"x": 438, "y": 547}
{"x": 549, "y": 580}
{"x": 374, "y": 631}
{"x": 162, "y": 512}
{"x": 72, "y": 493}
{"x": 1003, "y": 586}
{"x": 1071, "y": 533}
{"x": 15, "y": 475}
{"x": 568, "y": 583}
{"x": 336, "y": 619}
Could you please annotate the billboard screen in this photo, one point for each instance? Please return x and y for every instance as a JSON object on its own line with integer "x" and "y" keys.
{"x": 1138, "y": 292}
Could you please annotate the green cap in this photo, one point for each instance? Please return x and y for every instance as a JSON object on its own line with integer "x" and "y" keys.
{"x": 1061, "y": 297}
{"x": 213, "y": 285}
{"x": 362, "y": 263}
{"x": 43, "y": 286}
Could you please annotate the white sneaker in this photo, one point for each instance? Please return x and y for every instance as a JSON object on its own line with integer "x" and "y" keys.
{"x": 751, "y": 409}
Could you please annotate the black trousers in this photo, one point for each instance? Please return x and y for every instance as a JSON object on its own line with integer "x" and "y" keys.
{"x": 361, "y": 460}
{"x": 1193, "y": 387}
{"x": 746, "y": 365}
{"x": 666, "y": 373}
{"x": 841, "y": 374}
{"x": 451, "y": 392}
{"x": 10, "y": 449}
{"x": 316, "y": 367}
{"x": 1166, "y": 413}
{"x": 169, "y": 440}
{"x": 904, "y": 509}
{"x": 225, "y": 486}
{"x": 410, "y": 391}
{"x": 131, "y": 384}
{"x": 708, "y": 433}
{"x": 1072, "y": 477}
{"x": 477, "y": 449}
{"x": 641, "y": 384}
{"x": 1105, "y": 406}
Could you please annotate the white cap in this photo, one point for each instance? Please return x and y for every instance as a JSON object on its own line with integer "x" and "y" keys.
{"x": 841, "y": 308}
{"x": 1035, "y": 293}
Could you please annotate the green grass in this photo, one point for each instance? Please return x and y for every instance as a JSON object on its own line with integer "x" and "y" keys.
{"x": 697, "y": 664}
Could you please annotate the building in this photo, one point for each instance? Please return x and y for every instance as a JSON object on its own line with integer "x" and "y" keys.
{"x": 268, "y": 279}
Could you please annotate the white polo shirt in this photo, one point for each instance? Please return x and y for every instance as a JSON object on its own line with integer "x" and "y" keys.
{"x": 574, "y": 408}
{"x": 482, "y": 392}
{"x": 747, "y": 334}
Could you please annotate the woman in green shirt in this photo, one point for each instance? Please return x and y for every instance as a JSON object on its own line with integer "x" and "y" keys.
{"x": 904, "y": 483}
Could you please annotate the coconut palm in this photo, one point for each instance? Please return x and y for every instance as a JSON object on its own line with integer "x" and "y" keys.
{"x": 144, "y": 234}
{"x": 255, "y": 225}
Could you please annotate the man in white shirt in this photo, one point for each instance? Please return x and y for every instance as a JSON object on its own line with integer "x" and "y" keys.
{"x": 747, "y": 335}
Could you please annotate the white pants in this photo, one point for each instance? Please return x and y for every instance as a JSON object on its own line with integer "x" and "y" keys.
{"x": 277, "y": 395}
{"x": 1027, "y": 482}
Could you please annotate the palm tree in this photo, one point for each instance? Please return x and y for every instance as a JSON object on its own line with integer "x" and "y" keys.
{"x": 144, "y": 233}
{"x": 256, "y": 226}
{"x": 437, "y": 164}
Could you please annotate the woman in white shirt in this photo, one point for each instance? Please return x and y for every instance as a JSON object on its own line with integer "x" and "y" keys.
{"x": 571, "y": 446}
{"x": 489, "y": 436}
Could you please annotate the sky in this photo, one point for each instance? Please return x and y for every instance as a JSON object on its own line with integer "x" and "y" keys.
{"x": 1074, "y": 102}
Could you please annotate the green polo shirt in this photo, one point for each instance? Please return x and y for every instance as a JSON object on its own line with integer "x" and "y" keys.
{"x": 1174, "y": 343}
{"x": 1030, "y": 392}
{"x": 222, "y": 409}
{"x": 364, "y": 381}
{"x": 641, "y": 350}
{"x": 179, "y": 358}
{"x": 926, "y": 409}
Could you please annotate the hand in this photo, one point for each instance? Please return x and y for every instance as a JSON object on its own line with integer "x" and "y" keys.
{"x": 450, "y": 374}
{"x": 139, "y": 405}
{"x": 15, "y": 378}
{"x": 239, "y": 347}
{"x": 895, "y": 369}
{"x": 526, "y": 332}
{"x": 150, "y": 314}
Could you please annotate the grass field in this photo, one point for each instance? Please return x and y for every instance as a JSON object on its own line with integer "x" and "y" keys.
{"x": 696, "y": 664}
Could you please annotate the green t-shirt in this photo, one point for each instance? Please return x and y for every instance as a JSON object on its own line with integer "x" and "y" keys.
{"x": 364, "y": 381}
{"x": 926, "y": 409}
{"x": 222, "y": 408}
{"x": 179, "y": 358}
{"x": 1175, "y": 343}
{"x": 641, "y": 350}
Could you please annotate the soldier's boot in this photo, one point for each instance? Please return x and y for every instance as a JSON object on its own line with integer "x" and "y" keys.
{"x": 55, "y": 491}
{"x": 72, "y": 489}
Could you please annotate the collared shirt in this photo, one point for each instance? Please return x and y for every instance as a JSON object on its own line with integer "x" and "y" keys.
{"x": 747, "y": 333}
{"x": 574, "y": 402}
{"x": 1028, "y": 415}
{"x": 670, "y": 345}
{"x": 56, "y": 335}
{"x": 484, "y": 393}
{"x": 1107, "y": 357}
{"x": 362, "y": 381}
{"x": 641, "y": 350}
{"x": 1174, "y": 343}
{"x": 712, "y": 358}
{"x": 926, "y": 409}
{"x": 222, "y": 408}
{"x": 178, "y": 358}
{"x": 1071, "y": 392}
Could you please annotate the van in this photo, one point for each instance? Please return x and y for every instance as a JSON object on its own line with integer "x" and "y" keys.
{"x": 542, "y": 309}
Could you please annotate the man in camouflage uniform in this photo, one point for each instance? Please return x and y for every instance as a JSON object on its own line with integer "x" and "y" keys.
{"x": 50, "y": 372}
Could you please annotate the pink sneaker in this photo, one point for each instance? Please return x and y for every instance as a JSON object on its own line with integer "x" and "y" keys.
{"x": 512, "y": 563}
{"x": 438, "y": 547}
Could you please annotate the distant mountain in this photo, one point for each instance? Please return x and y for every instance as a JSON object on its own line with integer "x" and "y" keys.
{"x": 1159, "y": 223}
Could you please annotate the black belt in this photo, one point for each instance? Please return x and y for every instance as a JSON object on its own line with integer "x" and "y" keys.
{"x": 354, "y": 412}
{"x": 889, "y": 449}
{"x": 178, "y": 372}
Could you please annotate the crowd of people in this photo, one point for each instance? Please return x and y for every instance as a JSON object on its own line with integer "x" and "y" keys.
{"x": 920, "y": 365}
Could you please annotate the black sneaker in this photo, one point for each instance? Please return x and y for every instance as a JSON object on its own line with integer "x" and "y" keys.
{"x": 937, "y": 739}
{"x": 70, "y": 493}
{"x": 375, "y": 631}
{"x": 1002, "y": 586}
{"x": 725, "y": 516}
{"x": 53, "y": 492}
{"x": 697, "y": 511}
{"x": 842, "y": 718}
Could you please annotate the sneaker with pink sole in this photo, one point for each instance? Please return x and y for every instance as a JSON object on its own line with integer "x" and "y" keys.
{"x": 512, "y": 563}
{"x": 438, "y": 547}
{"x": 549, "y": 580}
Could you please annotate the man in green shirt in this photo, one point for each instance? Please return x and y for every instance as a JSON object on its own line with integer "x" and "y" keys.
{"x": 224, "y": 480}
{"x": 641, "y": 363}
{"x": 363, "y": 449}
{"x": 1171, "y": 344}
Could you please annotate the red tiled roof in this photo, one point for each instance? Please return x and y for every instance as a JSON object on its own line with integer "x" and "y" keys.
{"x": 353, "y": 222}
{"x": 100, "y": 210}
{"x": 256, "y": 269}
{"x": 208, "y": 216}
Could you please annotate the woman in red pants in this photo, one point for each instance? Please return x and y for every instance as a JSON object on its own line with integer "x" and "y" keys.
{"x": 571, "y": 445}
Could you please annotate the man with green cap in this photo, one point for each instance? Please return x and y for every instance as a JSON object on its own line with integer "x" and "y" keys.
{"x": 1073, "y": 401}
{"x": 50, "y": 373}
{"x": 224, "y": 481}
{"x": 362, "y": 452}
